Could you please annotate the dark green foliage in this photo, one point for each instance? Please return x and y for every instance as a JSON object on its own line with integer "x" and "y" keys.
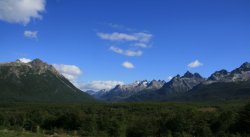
{"x": 244, "y": 120}
{"x": 129, "y": 120}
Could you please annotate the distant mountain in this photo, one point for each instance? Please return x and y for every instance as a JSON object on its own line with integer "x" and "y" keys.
{"x": 97, "y": 94}
{"x": 224, "y": 85}
{"x": 37, "y": 81}
{"x": 178, "y": 85}
{"x": 121, "y": 92}
{"x": 240, "y": 74}
{"x": 221, "y": 85}
{"x": 182, "y": 84}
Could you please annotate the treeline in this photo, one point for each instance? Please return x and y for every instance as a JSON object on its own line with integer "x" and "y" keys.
{"x": 128, "y": 120}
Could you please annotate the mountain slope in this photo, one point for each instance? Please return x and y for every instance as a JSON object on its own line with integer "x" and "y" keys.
{"x": 224, "y": 85}
{"x": 220, "y": 91}
{"x": 174, "y": 88}
{"x": 121, "y": 92}
{"x": 37, "y": 82}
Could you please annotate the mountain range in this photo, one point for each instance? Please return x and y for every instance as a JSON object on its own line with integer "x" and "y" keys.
{"x": 39, "y": 82}
{"x": 221, "y": 85}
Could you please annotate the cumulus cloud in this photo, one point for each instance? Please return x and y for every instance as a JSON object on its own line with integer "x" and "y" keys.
{"x": 116, "y": 36}
{"x": 99, "y": 85}
{"x": 25, "y": 60}
{"x": 21, "y": 11}
{"x": 130, "y": 53}
{"x": 128, "y": 65}
{"x": 195, "y": 64}
{"x": 30, "y": 34}
{"x": 71, "y": 72}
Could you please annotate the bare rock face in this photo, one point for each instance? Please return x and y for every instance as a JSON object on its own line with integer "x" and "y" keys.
{"x": 19, "y": 68}
{"x": 124, "y": 91}
{"x": 238, "y": 75}
{"x": 155, "y": 85}
{"x": 182, "y": 84}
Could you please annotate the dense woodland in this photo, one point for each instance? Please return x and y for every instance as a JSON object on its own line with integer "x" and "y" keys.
{"x": 129, "y": 119}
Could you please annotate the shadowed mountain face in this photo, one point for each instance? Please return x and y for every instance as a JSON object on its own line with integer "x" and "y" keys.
{"x": 177, "y": 86}
{"x": 36, "y": 81}
{"x": 240, "y": 74}
{"x": 182, "y": 84}
{"x": 221, "y": 85}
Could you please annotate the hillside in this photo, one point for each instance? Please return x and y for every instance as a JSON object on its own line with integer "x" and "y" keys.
{"x": 37, "y": 81}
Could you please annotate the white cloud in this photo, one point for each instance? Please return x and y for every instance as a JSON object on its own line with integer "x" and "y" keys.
{"x": 128, "y": 65}
{"x": 25, "y": 60}
{"x": 143, "y": 37}
{"x": 71, "y": 72}
{"x": 21, "y": 11}
{"x": 116, "y": 50}
{"x": 30, "y": 34}
{"x": 142, "y": 45}
{"x": 130, "y": 53}
{"x": 116, "y": 36}
{"x": 99, "y": 85}
{"x": 195, "y": 64}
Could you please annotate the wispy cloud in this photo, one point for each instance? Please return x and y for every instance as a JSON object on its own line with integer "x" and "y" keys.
{"x": 135, "y": 40}
{"x": 21, "y": 11}
{"x": 195, "y": 64}
{"x": 130, "y": 53}
{"x": 141, "y": 45}
{"x": 30, "y": 34}
{"x": 128, "y": 65}
{"x": 133, "y": 53}
{"x": 116, "y": 36}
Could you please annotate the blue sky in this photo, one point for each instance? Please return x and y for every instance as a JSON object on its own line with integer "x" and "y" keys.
{"x": 115, "y": 41}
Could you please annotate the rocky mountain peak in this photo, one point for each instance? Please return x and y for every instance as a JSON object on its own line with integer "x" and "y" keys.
{"x": 219, "y": 75}
{"x": 182, "y": 84}
{"x": 197, "y": 75}
{"x": 18, "y": 61}
{"x": 154, "y": 84}
{"x": 38, "y": 63}
{"x": 244, "y": 67}
{"x": 188, "y": 74}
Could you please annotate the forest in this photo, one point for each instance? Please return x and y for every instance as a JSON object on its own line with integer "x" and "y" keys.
{"x": 126, "y": 120}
